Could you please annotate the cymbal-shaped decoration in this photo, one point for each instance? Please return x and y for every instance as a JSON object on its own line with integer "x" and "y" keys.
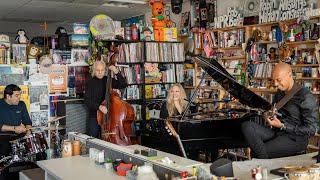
{"x": 102, "y": 27}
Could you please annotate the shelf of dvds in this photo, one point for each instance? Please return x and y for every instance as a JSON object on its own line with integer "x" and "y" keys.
{"x": 150, "y": 68}
{"x": 259, "y": 59}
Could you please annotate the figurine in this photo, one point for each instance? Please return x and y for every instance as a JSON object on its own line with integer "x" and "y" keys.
{"x": 147, "y": 33}
{"x": 21, "y": 38}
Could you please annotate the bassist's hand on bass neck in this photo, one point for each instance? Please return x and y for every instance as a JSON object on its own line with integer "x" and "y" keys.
{"x": 103, "y": 109}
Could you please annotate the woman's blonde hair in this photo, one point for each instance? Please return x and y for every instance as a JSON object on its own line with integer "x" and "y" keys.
{"x": 94, "y": 67}
{"x": 182, "y": 100}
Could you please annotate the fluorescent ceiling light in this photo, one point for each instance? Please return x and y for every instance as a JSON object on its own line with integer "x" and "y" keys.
{"x": 115, "y": 5}
{"x": 129, "y": 1}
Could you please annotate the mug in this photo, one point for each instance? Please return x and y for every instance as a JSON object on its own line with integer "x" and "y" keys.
{"x": 314, "y": 171}
{"x": 314, "y": 72}
{"x": 76, "y": 147}
{"x": 297, "y": 174}
{"x": 67, "y": 149}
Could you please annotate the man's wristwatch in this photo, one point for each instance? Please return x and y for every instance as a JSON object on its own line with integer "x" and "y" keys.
{"x": 283, "y": 127}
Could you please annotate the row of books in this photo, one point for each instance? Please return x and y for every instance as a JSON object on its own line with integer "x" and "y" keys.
{"x": 4, "y": 55}
{"x": 263, "y": 70}
{"x": 231, "y": 38}
{"x": 130, "y": 53}
{"x": 164, "y": 52}
{"x": 137, "y": 110}
{"x": 132, "y": 92}
{"x": 156, "y": 91}
{"x": 133, "y": 74}
{"x": 171, "y": 75}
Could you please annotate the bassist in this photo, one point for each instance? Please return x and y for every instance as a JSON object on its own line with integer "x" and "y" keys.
{"x": 95, "y": 93}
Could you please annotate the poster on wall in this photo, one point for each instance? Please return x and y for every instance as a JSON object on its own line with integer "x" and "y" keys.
{"x": 39, "y": 99}
{"x": 281, "y": 10}
{"x": 39, "y": 118}
{"x": 77, "y": 78}
{"x": 61, "y": 57}
{"x": 79, "y": 57}
{"x": 38, "y": 79}
{"x": 24, "y": 95}
{"x": 58, "y": 79}
{"x": 9, "y": 75}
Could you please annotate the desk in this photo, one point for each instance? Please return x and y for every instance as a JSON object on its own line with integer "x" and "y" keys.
{"x": 181, "y": 163}
{"x": 75, "y": 167}
{"x": 242, "y": 169}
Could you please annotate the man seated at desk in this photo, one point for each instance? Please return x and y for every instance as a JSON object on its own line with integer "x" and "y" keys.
{"x": 14, "y": 116}
{"x": 288, "y": 134}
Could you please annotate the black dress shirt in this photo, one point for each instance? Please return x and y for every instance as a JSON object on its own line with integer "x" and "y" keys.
{"x": 300, "y": 113}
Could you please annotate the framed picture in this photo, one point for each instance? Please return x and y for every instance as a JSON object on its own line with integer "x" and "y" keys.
{"x": 61, "y": 57}
{"x": 19, "y": 52}
{"x": 79, "y": 57}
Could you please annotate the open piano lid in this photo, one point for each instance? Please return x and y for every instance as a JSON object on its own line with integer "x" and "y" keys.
{"x": 218, "y": 73}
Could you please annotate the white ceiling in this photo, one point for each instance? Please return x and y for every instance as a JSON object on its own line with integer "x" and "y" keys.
{"x": 29, "y": 14}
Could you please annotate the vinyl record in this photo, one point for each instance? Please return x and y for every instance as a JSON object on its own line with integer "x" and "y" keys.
{"x": 251, "y": 7}
{"x": 102, "y": 27}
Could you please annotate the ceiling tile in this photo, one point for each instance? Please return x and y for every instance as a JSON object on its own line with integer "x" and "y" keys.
{"x": 7, "y": 6}
{"x": 45, "y": 4}
{"x": 95, "y": 2}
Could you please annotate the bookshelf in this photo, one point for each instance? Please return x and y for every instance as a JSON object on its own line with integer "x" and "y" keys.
{"x": 225, "y": 45}
{"x": 151, "y": 68}
{"x": 163, "y": 65}
{"x": 302, "y": 57}
{"x": 258, "y": 67}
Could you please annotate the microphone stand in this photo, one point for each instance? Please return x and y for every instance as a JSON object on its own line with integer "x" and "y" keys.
{"x": 193, "y": 96}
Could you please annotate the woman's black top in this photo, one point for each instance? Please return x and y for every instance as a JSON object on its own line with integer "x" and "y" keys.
{"x": 165, "y": 114}
{"x": 164, "y": 111}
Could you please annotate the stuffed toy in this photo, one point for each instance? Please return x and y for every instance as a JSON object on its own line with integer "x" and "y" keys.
{"x": 147, "y": 33}
{"x": 4, "y": 38}
{"x": 63, "y": 38}
{"x": 21, "y": 38}
{"x": 158, "y": 20}
{"x": 33, "y": 51}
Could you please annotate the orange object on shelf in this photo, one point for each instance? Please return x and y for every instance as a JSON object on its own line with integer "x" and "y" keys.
{"x": 76, "y": 148}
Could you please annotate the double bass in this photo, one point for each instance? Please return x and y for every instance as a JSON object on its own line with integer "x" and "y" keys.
{"x": 116, "y": 124}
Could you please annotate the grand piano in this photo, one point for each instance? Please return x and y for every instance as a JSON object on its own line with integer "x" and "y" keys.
{"x": 208, "y": 132}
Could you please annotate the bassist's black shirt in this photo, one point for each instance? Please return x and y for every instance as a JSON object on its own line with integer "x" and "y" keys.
{"x": 96, "y": 89}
